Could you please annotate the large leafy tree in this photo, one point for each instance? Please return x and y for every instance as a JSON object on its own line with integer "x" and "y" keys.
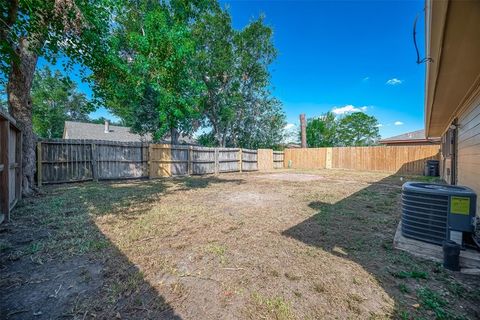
{"x": 358, "y": 129}
{"x": 55, "y": 99}
{"x": 33, "y": 28}
{"x": 152, "y": 83}
{"x": 238, "y": 106}
{"x": 217, "y": 67}
{"x": 355, "y": 129}
{"x": 322, "y": 131}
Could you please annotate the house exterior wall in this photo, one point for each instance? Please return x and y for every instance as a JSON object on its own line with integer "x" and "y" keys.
{"x": 464, "y": 141}
{"x": 468, "y": 132}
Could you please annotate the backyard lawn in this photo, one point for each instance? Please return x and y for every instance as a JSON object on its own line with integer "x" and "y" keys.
{"x": 281, "y": 245}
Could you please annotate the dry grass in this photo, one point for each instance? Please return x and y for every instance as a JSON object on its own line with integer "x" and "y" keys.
{"x": 259, "y": 246}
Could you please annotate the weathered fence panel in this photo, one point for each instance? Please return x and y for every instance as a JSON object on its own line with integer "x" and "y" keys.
{"x": 249, "y": 160}
{"x": 61, "y": 160}
{"x": 307, "y": 158}
{"x": 117, "y": 160}
{"x": 10, "y": 165}
{"x": 278, "y": 159}
{"x": 228, "y": 160}
{"x": 179, "y": 163}
{"x": 400, "y": 159}
{"x": 203, "y": 160}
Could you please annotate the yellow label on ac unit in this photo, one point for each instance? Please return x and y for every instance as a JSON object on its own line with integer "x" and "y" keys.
{"x": 460, "y": 205}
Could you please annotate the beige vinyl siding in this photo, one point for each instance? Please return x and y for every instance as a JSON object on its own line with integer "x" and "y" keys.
{"x": 469, "y": 148}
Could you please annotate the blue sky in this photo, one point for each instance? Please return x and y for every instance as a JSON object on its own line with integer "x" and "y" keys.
{"x": 342, "y": 56}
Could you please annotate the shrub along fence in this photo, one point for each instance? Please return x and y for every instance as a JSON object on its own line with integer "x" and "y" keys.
{"x": 60, "y": 160}
{"x": 400, "y": 159}
{"x": 10, "y": 165}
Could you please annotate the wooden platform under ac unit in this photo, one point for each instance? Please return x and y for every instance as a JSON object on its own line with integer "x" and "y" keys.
{"x": 469, "y": 259}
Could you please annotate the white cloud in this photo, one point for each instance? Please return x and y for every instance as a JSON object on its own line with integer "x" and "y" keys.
{"x": 394, "y": 82}
{"x": 398, "y": 123}
{"x": 379, "y": 125}
{"x": 348, "y": 109}
{"x": 289, "y": 126}
{"x": 366, "y": 79}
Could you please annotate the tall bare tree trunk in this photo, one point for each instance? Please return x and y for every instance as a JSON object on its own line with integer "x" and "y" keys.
{"x": 20, "y": 107}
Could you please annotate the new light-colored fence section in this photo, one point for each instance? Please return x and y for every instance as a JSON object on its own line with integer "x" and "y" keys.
{"x": 159, "y": 160}
{"x": 60, "y": 161}
{"x": 10, "y": 165}
{"x": 305, "y": 158}
{"x": 249, "y": 160}
{"x": 265, "y": 159}
{"x": 278, "y": 159}
{"x": 400, "y": 159}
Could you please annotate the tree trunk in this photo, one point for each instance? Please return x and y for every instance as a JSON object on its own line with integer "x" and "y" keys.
{"x": 174, "y": 135}
{"x": 20, "y": 107}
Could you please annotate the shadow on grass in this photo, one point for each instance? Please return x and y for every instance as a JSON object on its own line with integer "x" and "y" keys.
{"x": 56, "y": 263}
{"x": 361, "y": 228}
{"x": 198, "y": 182}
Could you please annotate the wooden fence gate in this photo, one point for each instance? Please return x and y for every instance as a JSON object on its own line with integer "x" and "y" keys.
{"x": 10, "y": 165}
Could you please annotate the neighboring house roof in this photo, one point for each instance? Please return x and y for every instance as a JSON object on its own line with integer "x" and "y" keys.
{"x": 82, "y": 130}
{"x": 410, "y": 137}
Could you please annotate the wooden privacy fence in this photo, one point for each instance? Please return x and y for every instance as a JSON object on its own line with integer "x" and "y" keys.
{"x": 173, "y": 160}
{"x": 10, "y": 165}
{"x": 400, "y": 159}
{"x": 278, "y": 159}
{"x": 60, "y": 160}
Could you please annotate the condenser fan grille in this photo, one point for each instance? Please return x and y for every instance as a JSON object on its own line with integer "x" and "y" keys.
{"x": 424, "y": 216}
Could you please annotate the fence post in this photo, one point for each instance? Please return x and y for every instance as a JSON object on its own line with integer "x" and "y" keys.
{"x": 189, "y": 164}
{"x": 93, "y": 161}
{"x": 216, "y": 161}
{"x": 149, "y": 162}
{"x": 39, "y": 164}
{"x": 240, "y": 159}
{"x": 19, "y": 169}
{"x": 329, "y": 159}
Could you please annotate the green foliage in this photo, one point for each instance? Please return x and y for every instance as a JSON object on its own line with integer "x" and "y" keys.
{"x": 102, "y": 120}
{"x": 411, "y": 274}
{"x": 207, "y": 139}
{"x": 355, "y": 129}
{"x": 76, "y": 29}
{"x": 55, "y": 100}
{"x": 152, "y": 83}
{"x": 233, "y": 65}
{"x": 358, "y": 129}
{"x": 321, "y": 131}
{"x": 431, "y": 300}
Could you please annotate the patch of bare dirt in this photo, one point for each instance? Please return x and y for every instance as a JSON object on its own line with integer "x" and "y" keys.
{"x": 290, "y": 176}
